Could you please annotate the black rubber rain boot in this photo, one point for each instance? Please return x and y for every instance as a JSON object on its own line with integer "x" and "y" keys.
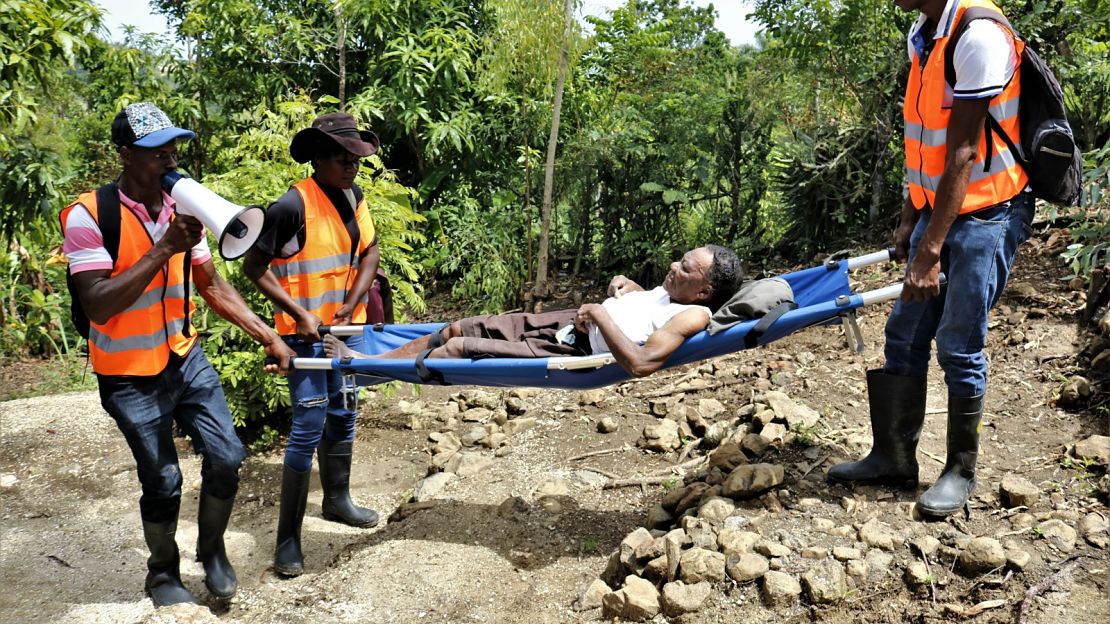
{"x": 952, "y": 489}
{"x": 219, "y": 576}
{"x": 163, "y": 578}
{"x": 335, "y": 476}
{"x": 288, "y": 559}
{"x": 897, "y": 405}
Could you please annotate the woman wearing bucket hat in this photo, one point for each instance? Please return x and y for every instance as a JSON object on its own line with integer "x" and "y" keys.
{"x": 315, "y": 259}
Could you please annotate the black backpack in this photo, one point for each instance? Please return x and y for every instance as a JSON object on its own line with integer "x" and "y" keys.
{"x": 108, "y": 213}
{"x": 107, "y": 207}
{"x": 1047, "y": 152}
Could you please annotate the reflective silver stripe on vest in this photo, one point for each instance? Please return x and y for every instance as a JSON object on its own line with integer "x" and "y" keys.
{"x": 1001, "y": 161}
{"x": 153, "y": 296}
{"x": 134, "y": 343}
{"x": 314, "y": 303}
{"x": 936, "y": 138}
{"x": 305, "y": 267}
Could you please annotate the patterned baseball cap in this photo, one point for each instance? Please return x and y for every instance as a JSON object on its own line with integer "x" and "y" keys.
{"x": 145, "y": 125}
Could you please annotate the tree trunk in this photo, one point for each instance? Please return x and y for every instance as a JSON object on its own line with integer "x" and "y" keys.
{"x": 527, "y": 185}
{"x": 540, "y": 289}
{"x": 341, "y": 36}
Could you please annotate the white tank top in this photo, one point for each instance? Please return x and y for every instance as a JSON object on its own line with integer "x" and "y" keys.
{"x": 639, "y": 314}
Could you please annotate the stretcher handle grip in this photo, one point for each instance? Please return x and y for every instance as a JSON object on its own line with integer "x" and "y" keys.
{"x": 323, "y": 330}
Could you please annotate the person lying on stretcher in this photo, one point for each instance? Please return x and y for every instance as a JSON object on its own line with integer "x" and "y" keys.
{"x": 641, "y": 328}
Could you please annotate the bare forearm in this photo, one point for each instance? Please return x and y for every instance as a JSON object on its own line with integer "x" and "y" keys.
{"x": 631, "y": 356}
{"x": 227, "y": 302}
{"x": 367, "y": 270}
{"x": 950, "y": 195}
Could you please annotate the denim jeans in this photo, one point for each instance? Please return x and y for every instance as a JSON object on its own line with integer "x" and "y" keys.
{"x": 318, "y": 406}
{"x": 976, "y": 258}
{"x": 188, "y": 391}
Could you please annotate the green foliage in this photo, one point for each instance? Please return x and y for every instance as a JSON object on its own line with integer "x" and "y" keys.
{"x": 1090, "y": 231}
{"x": 34, "y": 317}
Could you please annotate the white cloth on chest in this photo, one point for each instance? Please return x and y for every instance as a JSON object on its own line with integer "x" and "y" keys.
{"x": 639, "y": 314}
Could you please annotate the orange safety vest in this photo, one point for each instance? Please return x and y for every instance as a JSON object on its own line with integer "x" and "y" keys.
{"x": 926, "y": 115}
{"x": 321, "y": 274}
{"x": 138, "y": 340}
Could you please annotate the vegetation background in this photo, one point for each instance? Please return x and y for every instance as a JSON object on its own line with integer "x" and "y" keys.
{"x": 518, "y": 144}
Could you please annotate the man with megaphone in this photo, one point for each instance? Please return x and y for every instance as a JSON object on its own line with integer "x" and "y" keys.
{"x": 315, "y": 259}
{"x": 130, "y": 256}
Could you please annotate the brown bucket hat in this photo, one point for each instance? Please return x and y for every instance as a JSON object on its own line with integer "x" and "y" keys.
{"x": 337, "y": 127}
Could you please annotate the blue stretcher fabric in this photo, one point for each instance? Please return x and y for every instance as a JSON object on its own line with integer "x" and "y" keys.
{"x": 822, "y": 294}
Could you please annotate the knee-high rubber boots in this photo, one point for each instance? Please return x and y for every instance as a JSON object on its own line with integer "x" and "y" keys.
{"x": 163, "y": 578}
{"x": 897, "y": 406}
{"x": 335, "y": 477}
{"x": 212, "y": 519}
{"x": 288, "y": 558}
{"x": 950, "y": 492}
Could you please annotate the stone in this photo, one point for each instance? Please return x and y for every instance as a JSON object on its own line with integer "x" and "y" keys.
{"x": 878, "y": 534}
{"x": 658, "y": 407}
{"x": 857, "y": 568}
{"x": 477, "y": 415}
{"x": 737, "y": 520}
{"x": 1016, "y": 557}
{"x": 751, "y": 479}
{"x": 674, "y": 496}
{"x": 982, "y": 554}
{"x": 680, "y": 598}
{"x": 844, "y": 553}
{"x": 1095, "y": 448}
{"x": 650, "y": 550}
{"x": 773, "y": 433}
{"x": 700, "y": 564}
{"x": 656, "y": 570}
{"x": 746, "y": 567}
{"x": 661, "y": 436}
{"x": 672, "y": 549}
{"x": 925, "y": 544}
{"x": 714, "y": 510}
{"x": 430, "y": 487}
{"x": 496, "y": 440}
{"x": 637, "y": 601}
{"x": 630, "y": 544}
{"x": 718, "y": 432}
{"x": 795, "y": 415}
{"x": 825, "y": 583}
{"x": 727, "y": 456}
{"x": 755, "y": 444}
{"x": 821, "y": 524}
{"x": 768, "y": 548}
{"x": 763, "y": 417}
{"x": 1059, "y": 534}
{"x": 591, "y": 595}
{"x": 519, "y": 425}
{"x": 1095, "y": 528}
{"x": 878, "y": 564}
{"x": 465, "y": 463}
{"x": 736, "y": 541}
{"x": 710, "y": 409}
{"x": 608, "y": 424}
{"x": 692, "y": 495}
{"x": 917, "y": 576}
{"x": 516, "y": 406}
{"x": 1076, "y": 391}
{"x": 8, "y": 480}
{"x": 780, "y": 589}
{"x": 444, "y": 441}
{"x": 1017, "y": 491}
{"x": 814, "y": 552}
{"x": 473, "y": 436}
{"x": 592, "y": 397}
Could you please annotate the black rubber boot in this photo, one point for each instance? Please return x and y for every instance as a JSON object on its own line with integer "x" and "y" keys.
{"x": 288, "y": 559}
{"x": 163, "y": 578}
{"x": 219, "y": 576}
{"x": 897, "y": 405}
{"x": 335, "y": 476}
{"x": 952, "y": 489}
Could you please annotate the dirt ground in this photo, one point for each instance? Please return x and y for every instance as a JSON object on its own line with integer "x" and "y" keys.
{"x": 71, "y": 547}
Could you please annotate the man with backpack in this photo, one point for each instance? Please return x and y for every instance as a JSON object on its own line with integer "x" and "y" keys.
{"x": 969, "y": 206}
{"x": 130, "y": 260}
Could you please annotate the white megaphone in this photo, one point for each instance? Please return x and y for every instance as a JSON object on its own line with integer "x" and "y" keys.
{"x": 235, "y": 227}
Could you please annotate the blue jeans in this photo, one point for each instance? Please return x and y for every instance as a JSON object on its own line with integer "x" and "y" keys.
{"x": 188, "y": 391}
{"x": 976, "y": 258}
{"x": 318, "y": 409}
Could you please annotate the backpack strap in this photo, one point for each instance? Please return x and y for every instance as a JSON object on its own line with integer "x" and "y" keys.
{"x": 751, "y": 339}
{"x": 108, "y": 217}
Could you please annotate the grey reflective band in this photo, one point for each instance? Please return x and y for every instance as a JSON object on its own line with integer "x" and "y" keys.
{"x": 935, "y": 138}
{"x": 306, "y": 267}
{"x": 314, "y": 303}
{"x": 145, "y": 342}
{"x": 1001, "y": 161}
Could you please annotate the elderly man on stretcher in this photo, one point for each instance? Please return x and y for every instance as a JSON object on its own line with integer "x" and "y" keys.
{"x": 641, "y": 328}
